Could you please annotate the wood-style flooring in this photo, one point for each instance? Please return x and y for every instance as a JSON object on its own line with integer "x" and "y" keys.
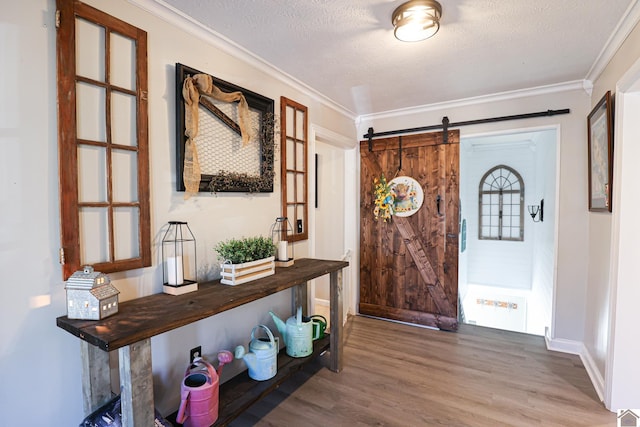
{"x": 401, "y": 375}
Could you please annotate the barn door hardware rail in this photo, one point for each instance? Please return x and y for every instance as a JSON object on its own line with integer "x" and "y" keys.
{"x": 445, "y": 125}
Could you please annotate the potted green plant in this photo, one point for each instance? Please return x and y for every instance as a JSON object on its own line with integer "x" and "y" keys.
{"x": 245, "y": 259}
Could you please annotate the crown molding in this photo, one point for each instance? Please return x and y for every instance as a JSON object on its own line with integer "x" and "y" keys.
{"x": 626, "y": 24}
{"x": 173, "y": 16}
{"x": 587, "y": 85}
{"x": 484, "y": 99}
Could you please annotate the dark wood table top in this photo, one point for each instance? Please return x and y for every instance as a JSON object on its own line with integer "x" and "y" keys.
{"x": 152, "y": 315}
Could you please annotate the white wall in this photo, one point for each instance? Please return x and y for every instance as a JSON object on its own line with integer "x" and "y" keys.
{"x": 622, "y": 373}
{"x": 39, "y": 362}
{"x": 544, "y": 237}
{"x": 611, "y": 293}
{"x": 329, "y": 220}
{"x": 495, "y": 262}
{"x": 522, "y": 270}
{"x": 334, "y": 236}
{"x": 570, "y": 211}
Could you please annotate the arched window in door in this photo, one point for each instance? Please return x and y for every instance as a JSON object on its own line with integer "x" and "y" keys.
{"x": 501, "y": 205}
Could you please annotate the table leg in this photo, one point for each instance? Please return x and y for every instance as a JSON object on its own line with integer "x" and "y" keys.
{"x": 336, "y": 315}
{"x": 136, "y": 384}
{"x": 300, "y": 298}
{"x": 96, "y": 378}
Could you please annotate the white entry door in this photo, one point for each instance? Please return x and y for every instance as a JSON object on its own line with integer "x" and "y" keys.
{"x": 329, "y": 241}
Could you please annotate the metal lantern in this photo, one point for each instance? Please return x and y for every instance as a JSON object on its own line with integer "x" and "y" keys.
{"x": 179, "y": 274}
{"x": 281, "y": 233}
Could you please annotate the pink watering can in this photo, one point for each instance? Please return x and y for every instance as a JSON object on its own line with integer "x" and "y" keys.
{"x": 224, "y": 357}
{"x": 199, "y": 395}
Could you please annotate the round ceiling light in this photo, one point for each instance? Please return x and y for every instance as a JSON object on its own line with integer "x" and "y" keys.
{"x": 416, "y": 20}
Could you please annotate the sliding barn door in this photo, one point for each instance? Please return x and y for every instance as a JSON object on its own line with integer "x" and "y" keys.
{"x": 409, "y": 264}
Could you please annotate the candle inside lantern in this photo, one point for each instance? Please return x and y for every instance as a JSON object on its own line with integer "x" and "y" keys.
{"x": 174, "y": 268}
{"x": 282, "y": 251}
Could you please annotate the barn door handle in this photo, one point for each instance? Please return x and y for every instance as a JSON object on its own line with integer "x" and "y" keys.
{"x": 438, "y": 200}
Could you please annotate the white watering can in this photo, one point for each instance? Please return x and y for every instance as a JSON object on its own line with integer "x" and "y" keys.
{"x": 262, "y": 359}
{"x": 297, "y": 334}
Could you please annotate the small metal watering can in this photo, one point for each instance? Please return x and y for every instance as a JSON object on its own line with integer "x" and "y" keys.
{"x": 262, "y": 359}
{"x": 199, "y": 395}
{"x": 319, "y": 326}
{"x": 297, "y": 334}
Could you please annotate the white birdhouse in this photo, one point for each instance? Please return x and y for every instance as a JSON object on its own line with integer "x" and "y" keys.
{"x": 90, "y": 295}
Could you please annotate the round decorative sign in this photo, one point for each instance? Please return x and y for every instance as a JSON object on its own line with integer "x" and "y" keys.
{"x": 407, "y": 195}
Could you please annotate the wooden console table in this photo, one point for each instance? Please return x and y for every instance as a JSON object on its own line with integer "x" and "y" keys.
{"x": 130, "y": 331}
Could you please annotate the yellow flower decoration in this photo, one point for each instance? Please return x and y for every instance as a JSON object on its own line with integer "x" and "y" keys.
{"x": 384, "y": 198}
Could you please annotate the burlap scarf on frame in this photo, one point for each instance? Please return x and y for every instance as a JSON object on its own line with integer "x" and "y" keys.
{"x": 192, "y": 89}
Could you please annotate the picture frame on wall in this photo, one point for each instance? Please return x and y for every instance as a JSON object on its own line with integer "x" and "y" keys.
{"x": 225, "y": 162}
{"x": 600, "y": 154}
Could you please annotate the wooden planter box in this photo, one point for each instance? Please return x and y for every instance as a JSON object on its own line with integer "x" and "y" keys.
{"x": 235, "y": 274}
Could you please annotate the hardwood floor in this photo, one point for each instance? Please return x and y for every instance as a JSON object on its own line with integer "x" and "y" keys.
{"x": 400, "y": 375}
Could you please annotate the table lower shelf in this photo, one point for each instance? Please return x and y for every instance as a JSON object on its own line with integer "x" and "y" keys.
{"x": 240, "y": 392}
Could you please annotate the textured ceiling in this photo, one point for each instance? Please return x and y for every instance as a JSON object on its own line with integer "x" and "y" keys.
{"x": 345, "y": 49}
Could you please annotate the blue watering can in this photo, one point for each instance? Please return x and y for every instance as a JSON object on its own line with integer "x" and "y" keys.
{"x": 297, "y": 334}
{"x": 262, "y": 359}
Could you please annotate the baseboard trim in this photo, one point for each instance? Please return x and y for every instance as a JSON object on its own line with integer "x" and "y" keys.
{"x": 578, "y": 348}
{"x": 562, "y": 345}
{"x": 592, "y": 370}
{"x": 322, "y": 302}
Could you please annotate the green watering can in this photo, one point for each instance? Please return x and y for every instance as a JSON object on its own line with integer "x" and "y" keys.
{"x": 319, "y": 326}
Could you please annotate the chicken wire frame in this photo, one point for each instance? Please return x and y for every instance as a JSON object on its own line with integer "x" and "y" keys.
{"x": 224, "y": 179}
{"x": 178, "y": 245}
{"x": 282, "y": 231}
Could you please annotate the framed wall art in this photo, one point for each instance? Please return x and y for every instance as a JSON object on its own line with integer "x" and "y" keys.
{"x": 600, "y": 151}
{"x": 225, "y": 136}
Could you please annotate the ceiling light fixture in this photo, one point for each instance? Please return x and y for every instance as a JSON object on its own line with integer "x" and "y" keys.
{"x": 416, "y": 20}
